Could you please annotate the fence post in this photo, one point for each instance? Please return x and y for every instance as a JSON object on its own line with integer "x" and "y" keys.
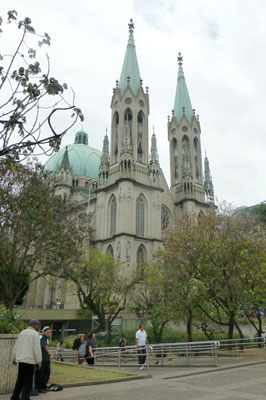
{"x": 119, "y": 358}
{"x": 147, "y": 360}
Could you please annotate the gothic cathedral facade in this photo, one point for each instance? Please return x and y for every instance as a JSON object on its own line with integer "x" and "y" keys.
{"x": 122, "y": 191}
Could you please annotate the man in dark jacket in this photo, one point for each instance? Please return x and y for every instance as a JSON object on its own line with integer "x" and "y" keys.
{"x": 43, "y": 374}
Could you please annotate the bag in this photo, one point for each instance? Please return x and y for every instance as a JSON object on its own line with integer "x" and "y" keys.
{"x": 122, "y": 342}
{"x": 83, "y": 349}
{"x": 54, "y": 387}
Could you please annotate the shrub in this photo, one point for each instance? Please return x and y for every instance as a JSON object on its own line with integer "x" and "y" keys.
{"x": 10, "y": 321}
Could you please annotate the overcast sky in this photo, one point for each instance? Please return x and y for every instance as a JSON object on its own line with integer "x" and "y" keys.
{"x": 223, "y": 43}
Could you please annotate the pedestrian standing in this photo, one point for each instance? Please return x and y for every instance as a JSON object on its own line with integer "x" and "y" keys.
{"x": 27, "y": 353}
{"x": 141, "y": 342}
{"x": 43, "y": 374}
{"x": 94, "y": 342}
{"x": 89, "y": 350}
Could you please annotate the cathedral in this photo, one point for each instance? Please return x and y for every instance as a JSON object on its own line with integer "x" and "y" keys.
{"x": 122, "y": 192}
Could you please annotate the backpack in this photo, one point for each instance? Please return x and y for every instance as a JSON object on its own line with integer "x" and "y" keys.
{"x": 83, "y": 349}
{"x": 122, "y": 342}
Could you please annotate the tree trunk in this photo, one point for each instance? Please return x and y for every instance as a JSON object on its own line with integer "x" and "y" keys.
{"x": 231, "y": 326}
{"x": 189, "y": 326}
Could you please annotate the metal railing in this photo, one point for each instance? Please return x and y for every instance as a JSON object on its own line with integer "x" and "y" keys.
{"x": 238, "y": 346}
{"x": 169, "y": 354}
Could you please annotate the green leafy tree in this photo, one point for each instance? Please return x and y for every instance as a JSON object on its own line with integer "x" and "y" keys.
{"x": 231, "y": 261}
{"x": 214, "y": 266}
{"x": 180, "y": 258}
{"x": 151, "y": 296}
{"x": 10, "y": 321}
{"x": 38, "y": 231}
{"x": 101, "y": 286}
{"x": 31, "y": 99}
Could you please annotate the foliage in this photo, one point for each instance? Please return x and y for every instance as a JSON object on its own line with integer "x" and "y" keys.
{"x": 101, "y": 286}
{"x": 259, "y": 211}
{"x": 38, "y": 231}
{"x": 213, "y": 268}
{"x": 10, "y": 321}
{"x": 151, "y": 296}
{"x": 31, "y": 98}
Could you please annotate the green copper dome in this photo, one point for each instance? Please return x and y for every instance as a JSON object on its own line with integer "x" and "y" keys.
{"x": 83, "y": 159}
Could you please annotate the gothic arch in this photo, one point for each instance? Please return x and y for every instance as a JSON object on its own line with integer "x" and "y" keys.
{"x": 112, "y": 214}
{"x": 196, "y": 159}
{"x": 141, "y": 255}
{"x": 110, "y": 250}
{"x": 116, "y": 138}
{"x": 141, "y": 215}
{"x": 140, "y": 120}
{"x": 165, "y": 217}
{"x": 185, "y": 144}
{"x": 128, "y": 117}
{"x": 175, "y": 160}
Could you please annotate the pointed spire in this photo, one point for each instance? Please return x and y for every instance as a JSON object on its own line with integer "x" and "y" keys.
{"x": 182, "y": 101}
{"x": 105, "y": 152}
{"x": 154, "y": 152}
{"x": 130, "y": 72}
{"x": 65, "y": 161}
{"x": 208, "y": 185}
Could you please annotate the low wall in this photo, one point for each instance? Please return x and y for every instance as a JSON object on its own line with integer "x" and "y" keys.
{"x": 8, "y": 371}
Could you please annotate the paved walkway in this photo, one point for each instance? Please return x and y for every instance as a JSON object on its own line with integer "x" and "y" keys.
{"x": 235, "y": 379}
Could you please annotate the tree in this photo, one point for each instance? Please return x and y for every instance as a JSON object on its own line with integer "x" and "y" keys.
{"x": 38, "y": 233}
{"x": 231, "y": 261}
{"x": 31, "y": 99}
{"x": 214, "y": 267}
{"x": 151, "y": 295}
{"x": 180, "y": 258}
{"x": 101, "y": 286}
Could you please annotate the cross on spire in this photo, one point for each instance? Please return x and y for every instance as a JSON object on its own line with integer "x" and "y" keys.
{"x": 180, "y": 59}
{"x": 131, "y": 26}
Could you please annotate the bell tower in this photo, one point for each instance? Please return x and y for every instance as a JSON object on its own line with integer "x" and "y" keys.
{"x": 185, "y": 151}
{"x": 130, "y": 112}
{"x": 128, "y": 218}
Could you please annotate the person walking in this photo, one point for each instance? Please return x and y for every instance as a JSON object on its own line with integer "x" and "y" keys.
{"x": 27, "y": 354}
{"x": 141, "y": 342}
{"x": 43, "y": 374}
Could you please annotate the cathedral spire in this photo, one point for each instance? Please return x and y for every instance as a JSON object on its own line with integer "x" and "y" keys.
{"x": 130, "y": 74}
{"x": 154, "y": 152}
{"x": 208, "y": 185}
{"x": 65, "y": 161}
{"x": 154, "y": 160}
{"x": 104, "y": 165}
{"x": 182, "y": 101}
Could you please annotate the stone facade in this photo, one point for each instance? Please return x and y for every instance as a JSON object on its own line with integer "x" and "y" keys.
{"x": 129, "y": 204}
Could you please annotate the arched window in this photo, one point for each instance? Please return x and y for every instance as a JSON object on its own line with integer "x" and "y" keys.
{"x": 185, "y": 145}
{"x": 165, "y": 217}
{"x": 140, "y": 131}
{"x": 196, "y": 158}
{"x": 116, "y": 123}
{"x": 196, "y": 150}
{"x": 141, "y": 256}
{"x": 110, "y": 251}
{"x": 175, "y": 154}
{"x": 140, "y": 208}
{"x": 113, "y": 206}
{"x": 128, "y": 120}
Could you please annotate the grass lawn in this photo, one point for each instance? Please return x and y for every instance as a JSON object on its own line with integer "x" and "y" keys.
{"x": 76, "y": 374}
